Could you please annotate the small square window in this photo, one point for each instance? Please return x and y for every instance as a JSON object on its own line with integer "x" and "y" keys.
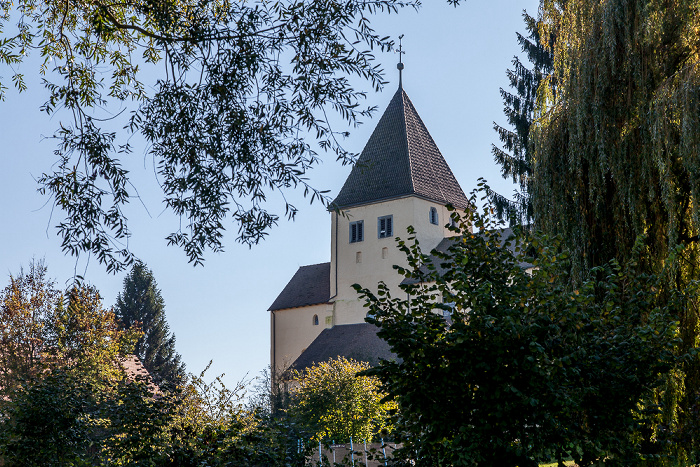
{"x": 434, "y": 216}
{"x": 357, "y": 231}
{"x": 385, "y": 226}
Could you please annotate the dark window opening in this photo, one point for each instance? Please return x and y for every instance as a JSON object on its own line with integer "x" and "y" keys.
{"x": 357, "y": 231}
{"x": 433, "y": 216}
{"x": 385, "y": 227}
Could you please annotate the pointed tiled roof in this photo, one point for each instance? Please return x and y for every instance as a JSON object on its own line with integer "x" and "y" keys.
{"x": 400, "y": 159}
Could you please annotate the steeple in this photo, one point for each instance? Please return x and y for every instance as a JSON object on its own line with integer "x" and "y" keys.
{"x": 400, "y": 159}
{"x": 399, "y": 66}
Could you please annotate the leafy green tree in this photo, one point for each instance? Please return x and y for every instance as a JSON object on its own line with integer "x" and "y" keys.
{"x": 524, "y": 368}
{"x": 52, "y": 415}
{"x": 616, "y": 148}
{"x": 26, "y": 304}
{"x": 238, "y": 85}
{"x": 67, "y": 419}
{"x": 51, "y": 422}
{"x": 141, "y": 304}
{"x": 333, "y": 402}
{"x": 616, "y": 144}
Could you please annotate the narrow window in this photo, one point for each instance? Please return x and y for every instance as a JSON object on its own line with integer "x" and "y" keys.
{"x": 385, "y": 227}
{"x": 433, "y": 216}
{"x": 357, "y": 233}
{"x": 385, "y": 252}
{"x": 358, "y": 257}
{"x": 315, "y": 320}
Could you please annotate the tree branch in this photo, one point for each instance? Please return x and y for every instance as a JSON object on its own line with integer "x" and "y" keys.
{"x": 166, "y": 39}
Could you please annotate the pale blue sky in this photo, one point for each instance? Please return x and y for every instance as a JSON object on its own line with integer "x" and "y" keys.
{"x": 455, "y": 63}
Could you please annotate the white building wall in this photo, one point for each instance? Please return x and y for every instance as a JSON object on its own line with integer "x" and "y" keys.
{"x": 370, "y": 261}
{"x": 293, "y": 330}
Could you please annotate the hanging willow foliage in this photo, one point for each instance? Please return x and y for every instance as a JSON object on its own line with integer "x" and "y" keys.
{"x": 616, "y": 151}
{"x": 616, "y": 156}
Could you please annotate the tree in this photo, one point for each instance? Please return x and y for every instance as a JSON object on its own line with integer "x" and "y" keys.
{"x": 66, "y": 418}
{"x": 240, "y": 86}
{"x": 52, "y": 422}
{"x": 332, "y": 402}
{"x": 616, "y": 149}
{"x": 516, "y": 155}
{"x": 52, "y": 414}
{"x": 26, "y": 304}
{"x": 616, "y": 144}
{"x": 85, "y": 337}
{"x": 142, "y": 305}
{"x": 526, "y": 368}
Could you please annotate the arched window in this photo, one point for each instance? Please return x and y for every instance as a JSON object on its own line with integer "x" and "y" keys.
{"x": 433, "y": 216}
{"x": 315, "y": 320}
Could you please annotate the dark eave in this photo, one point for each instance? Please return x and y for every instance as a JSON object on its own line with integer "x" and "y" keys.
{"x": 357, "y": 341}
{"x": 310, "y": 285}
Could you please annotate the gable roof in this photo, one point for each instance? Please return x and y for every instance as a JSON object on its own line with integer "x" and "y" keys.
{"x": 134, "y": 370}
{"x": 357, "y": 341}
{"x": 445, "y": 244}
{"x": 311, "y": 285}
{"x": 400, "y": 159}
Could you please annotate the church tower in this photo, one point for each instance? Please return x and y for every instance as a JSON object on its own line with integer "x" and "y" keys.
{"x": 400, "y": 179}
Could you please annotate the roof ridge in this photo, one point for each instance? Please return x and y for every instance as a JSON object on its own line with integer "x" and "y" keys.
{"x": 438, "y": 181}
{"x": 315, "y": 264}
{"x": 408, "y": 144}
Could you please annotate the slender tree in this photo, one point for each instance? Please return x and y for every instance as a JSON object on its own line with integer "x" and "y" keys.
{"x": 515, "y": 154}
{"x": 141, "y": 304}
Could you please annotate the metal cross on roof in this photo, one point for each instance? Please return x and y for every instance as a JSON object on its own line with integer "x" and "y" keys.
{"x": 400, "y": 64}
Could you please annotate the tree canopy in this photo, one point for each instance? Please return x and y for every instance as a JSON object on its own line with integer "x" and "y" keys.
{"x": 73, "y": 403}
{"x": 242, "y": 106}
{"x": 333, "y": 402}
{"x": 498, "y": 365}
{"x": 616, "y": 156}
{"x": 616, "y": 146}
{"x": 27, "y": 305}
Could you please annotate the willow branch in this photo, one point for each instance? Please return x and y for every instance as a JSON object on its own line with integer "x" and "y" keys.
{"x": 153, "y": 35}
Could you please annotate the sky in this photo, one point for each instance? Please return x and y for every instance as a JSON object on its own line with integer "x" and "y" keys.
{"x": 455, "y": 63}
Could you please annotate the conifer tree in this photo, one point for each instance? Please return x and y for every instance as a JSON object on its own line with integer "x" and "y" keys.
{"x": 141, "y": 304}
{"x": 515, "y": 156}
